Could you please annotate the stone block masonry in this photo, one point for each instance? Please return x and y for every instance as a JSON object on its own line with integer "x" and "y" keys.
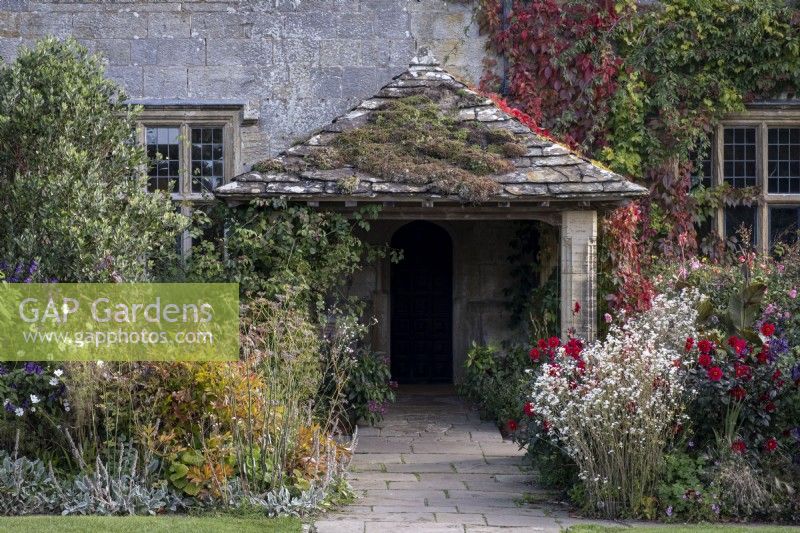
{"x": 295, "y": 63}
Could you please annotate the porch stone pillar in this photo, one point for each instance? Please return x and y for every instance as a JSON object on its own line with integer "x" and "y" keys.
{"x": 579, "y": 273}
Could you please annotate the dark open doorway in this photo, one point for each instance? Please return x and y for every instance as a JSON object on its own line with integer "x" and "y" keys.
{"x": 422, "y": 305}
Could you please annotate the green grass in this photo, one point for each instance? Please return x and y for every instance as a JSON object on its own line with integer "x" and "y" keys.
{"x": 154, "y": 524}
{"x": 698, "y": 528}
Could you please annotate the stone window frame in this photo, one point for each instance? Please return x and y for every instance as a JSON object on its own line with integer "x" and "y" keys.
{"x": 230, "y": 117}
{"x": 760, "y": 116}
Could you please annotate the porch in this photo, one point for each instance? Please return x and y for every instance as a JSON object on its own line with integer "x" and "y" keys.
{"x": 451, "y": 287}
{"x": 451, "y": 170}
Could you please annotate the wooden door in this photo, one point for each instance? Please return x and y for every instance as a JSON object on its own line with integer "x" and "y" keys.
{"x": 422, "y": 305}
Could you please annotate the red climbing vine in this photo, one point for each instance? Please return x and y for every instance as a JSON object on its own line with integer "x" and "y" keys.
{"x": 640, "y": 88}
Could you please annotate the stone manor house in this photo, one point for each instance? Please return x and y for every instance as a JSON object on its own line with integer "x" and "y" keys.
{"x": 226, "y": 84}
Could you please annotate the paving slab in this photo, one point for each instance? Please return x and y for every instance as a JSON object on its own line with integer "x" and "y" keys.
{"x": 415, "y": 527}
{"x": 432, "y": 466}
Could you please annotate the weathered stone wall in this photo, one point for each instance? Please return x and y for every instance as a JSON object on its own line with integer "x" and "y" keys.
{"x": 297, "y": 64}
{"x": 481, "y": 273}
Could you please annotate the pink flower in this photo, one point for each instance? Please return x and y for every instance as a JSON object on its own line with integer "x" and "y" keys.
{"x": 793, "y": 293}
{"x": 607, "y": 317}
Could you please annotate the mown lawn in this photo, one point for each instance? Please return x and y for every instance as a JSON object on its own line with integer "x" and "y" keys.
{"x": 694, "y": 528}
{"x": 155, "y": 524}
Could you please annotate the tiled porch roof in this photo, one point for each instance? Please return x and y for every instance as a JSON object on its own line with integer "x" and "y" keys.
{"x": 546, "y": 172}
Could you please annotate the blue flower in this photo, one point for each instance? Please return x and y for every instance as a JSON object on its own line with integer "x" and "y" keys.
{"x": 33, "y": 368}
{"x": 3, "y": 370}
{"x": 777, "y": 346}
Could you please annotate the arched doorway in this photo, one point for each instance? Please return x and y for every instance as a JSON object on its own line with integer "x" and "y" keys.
{"x": 422, "y": 305}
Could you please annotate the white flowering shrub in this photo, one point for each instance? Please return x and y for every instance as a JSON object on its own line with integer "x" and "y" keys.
{"x": 613, "y": 406}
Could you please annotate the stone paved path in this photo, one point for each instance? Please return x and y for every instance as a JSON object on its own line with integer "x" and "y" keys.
{"x": 433, "y": 466}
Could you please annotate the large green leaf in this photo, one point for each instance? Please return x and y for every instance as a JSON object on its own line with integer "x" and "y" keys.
{"x": 744, "y": 306}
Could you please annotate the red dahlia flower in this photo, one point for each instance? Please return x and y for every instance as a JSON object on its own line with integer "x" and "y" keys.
{"x": 768, "y": 329}
{"x": 689, "y": 343}
{"x": 770, "y": 407}
{"x": 738, "y": 393}
{"x": 704, "y": 360}
{"x": 554, "y": 342}
{"x": 743, "y": 372}
{"x": 705, "y": 346}
{"x": 715, "y": 373}
{"x": 528, "y": 409}
{"x": 763, "y": 355}
{"x": 535, "y": 355}
{"x": 573, "y": 348}
{"x": 737, "y": 344}
{"x": 771, "y": 445}
{"x": 542, "y": 344}
{"x": 739, "y": 446}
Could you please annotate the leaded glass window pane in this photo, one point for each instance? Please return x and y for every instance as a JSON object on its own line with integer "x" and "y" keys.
{"x": 738, "y": 217}
{"x": 207, "y": 159}
{"x": 784, "y": 222}
{"x": 163, "y": 151}
{"x": 739, "y": 161}
{"x": 783, "y": 168}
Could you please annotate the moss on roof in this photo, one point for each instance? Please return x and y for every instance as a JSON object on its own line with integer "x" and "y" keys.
{"x": 413, "y": 140}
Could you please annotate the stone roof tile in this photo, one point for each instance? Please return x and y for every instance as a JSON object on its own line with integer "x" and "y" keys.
{"x": 547, "y": 171}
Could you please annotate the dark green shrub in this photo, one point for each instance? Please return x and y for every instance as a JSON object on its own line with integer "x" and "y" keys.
{"x": 369, "y": 388}
{"x": 494, "y": 381}
{"x": 73, "y": 191}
